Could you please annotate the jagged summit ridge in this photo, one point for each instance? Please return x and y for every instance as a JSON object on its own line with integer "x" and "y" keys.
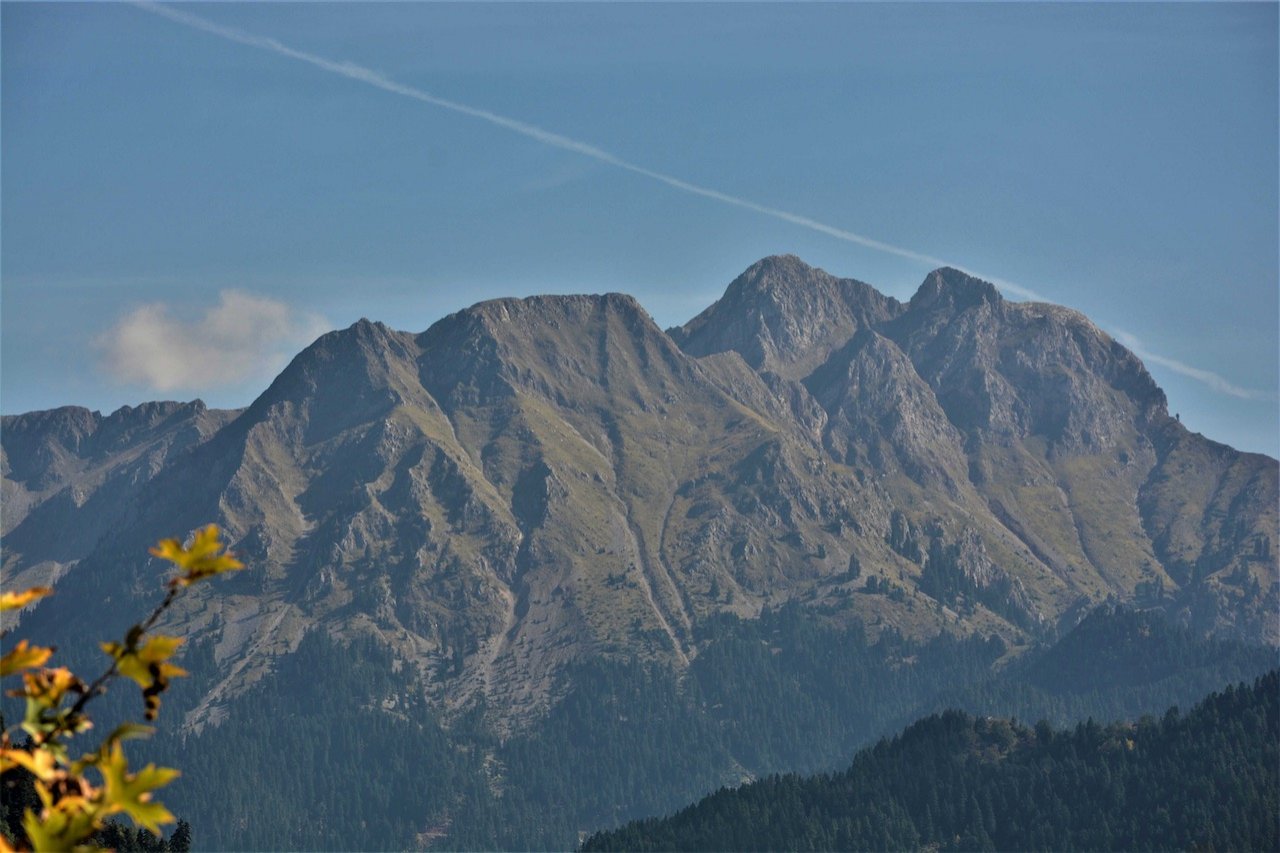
{"x": 954, "y": 288}
{"x": 547, "y": 307}
{"x": 558, "y": 346}
{"x": 344, "y": 377}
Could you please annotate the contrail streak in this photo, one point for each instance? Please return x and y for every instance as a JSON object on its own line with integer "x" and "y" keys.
{"x": 373, "y": 78}
{"x": 1208, "y": 377}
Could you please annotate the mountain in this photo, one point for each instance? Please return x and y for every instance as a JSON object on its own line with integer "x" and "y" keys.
{"x": 534, "y": 482}
{"x": 71, "y": 475}
{"x": 956, "y": 782}
{"x": 533, "y": 489}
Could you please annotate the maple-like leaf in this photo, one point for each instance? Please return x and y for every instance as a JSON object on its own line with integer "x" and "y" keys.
{"x": 147, "y": 662}
{"x": 131, "y": 793}
{"x": 148, "y": 666}
{"x": 204, "y": 558}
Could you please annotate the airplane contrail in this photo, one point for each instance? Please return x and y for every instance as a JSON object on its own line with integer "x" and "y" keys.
{"x": 1208, "y": 377}
{"x": 373, "y": 78}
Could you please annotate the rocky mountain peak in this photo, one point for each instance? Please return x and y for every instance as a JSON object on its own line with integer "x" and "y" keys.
{"x": 950, "y": 288}
{"x": 785, "y": 316}
{"x": 361, "y": 335}
{"x": 777, "y": 272}
{"x": 361, "y": 342}
{"x": 344, "y": 376}
{"x": 66, "y": 423}
{"x": 561, "y": 347}
{"x": 512, "y": 316}
{"x": 35, "y": 438}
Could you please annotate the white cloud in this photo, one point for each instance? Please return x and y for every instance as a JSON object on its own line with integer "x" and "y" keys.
{"x": 1208, "y": 377}
{"x": 242, "y": 337}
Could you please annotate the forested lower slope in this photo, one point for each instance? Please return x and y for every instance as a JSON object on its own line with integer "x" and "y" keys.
{"x": 355, "y": 760}
{"x": 1206, "y": 780}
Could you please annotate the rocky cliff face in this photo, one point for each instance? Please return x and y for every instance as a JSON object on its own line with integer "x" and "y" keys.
{"x": 533, "y": 482}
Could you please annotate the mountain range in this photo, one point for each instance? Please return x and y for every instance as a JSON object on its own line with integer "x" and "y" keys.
{"x": 532, "y": 482}
{"x": 538, "y": 516}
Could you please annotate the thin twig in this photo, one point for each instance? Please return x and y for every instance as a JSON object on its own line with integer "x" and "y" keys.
{"x": 97, "y": 686}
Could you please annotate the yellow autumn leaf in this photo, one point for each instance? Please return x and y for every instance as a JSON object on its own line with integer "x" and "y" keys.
{"x": 202, "y": 559}
{"x": 39, "y": 763}
{"x": 23, "y": 656}
{"x": 17, "y": 600}
{"x": 147, "y": 664}
{"x": 131, "y": 793}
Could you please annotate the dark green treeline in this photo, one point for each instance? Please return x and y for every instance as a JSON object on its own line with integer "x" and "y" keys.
{"x": 1209, "y": 780}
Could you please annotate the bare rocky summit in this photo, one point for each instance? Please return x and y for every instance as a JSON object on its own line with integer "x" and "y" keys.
{"x": 533, "y": 482}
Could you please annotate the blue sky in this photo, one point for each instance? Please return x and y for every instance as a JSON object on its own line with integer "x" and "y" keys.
{"x": 182, "y": 211}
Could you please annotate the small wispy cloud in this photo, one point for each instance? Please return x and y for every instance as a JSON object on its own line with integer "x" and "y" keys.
{"x": 242, "y": 337}
{"x": 1208, "y": 377}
